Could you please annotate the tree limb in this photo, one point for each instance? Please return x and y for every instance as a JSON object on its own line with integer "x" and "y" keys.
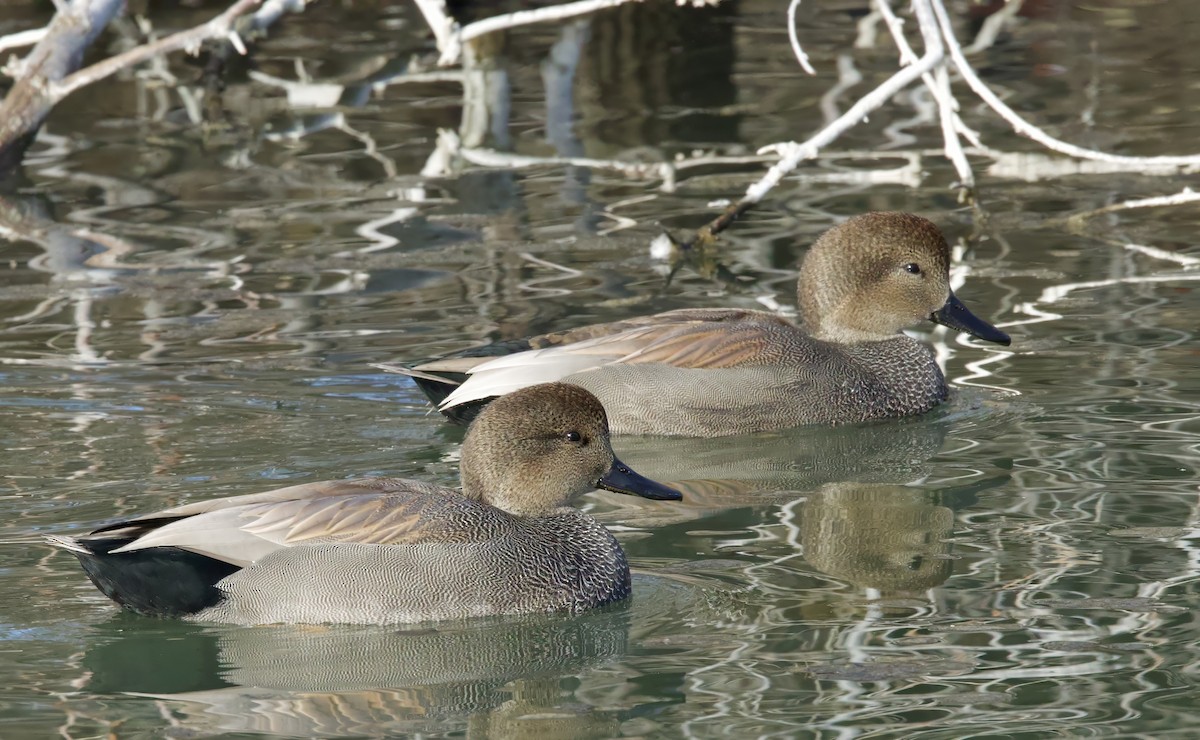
{"x": 49, "y": 73}
{"x": 218, "y": 28}
{"x": 58, "y": 54}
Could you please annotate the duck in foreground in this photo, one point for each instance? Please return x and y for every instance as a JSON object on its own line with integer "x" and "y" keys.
{"x": 714, "y": 372}
{"x": 388, "y": 550}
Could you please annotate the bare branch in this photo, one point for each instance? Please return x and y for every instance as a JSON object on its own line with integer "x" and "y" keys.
{"x": 57, "y": 55}
{"x": 1020, "y": 125}
{"x": 940, "y": 87}
{"x": 445, "y": 29}
{"x": 451, "y": 147}
{"x": 1036, "y": 166}
{"x": 800, "y": 55}
{"x": 794, "y": 153}
{"x": 540, "y": 15}
{"x": 49, "y": 73}
{"x": 450, "y": 37}
{"x": 939, "y": 39}
{"x": 217, "y": 28}
{"x": 22, "y": 38}
{"x": 1187, "y": 195}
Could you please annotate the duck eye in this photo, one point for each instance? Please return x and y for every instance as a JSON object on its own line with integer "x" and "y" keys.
{"x": 913, "y": 268}
{"x": 574, "y": 437}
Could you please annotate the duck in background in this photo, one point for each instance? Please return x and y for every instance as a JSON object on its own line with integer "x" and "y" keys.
{"x": 715, "y": 372}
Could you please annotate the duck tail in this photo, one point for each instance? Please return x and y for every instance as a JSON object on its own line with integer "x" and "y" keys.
{"x": 436, "y": 387}
{"x": 68, "y": 543}
{"x": 156, "y": 581}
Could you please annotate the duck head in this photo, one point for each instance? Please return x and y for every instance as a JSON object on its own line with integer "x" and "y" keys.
{"x": 874, "y": 275}
{"x": 532, "y": 451}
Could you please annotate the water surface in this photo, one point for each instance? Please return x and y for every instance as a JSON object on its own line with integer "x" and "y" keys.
{"x": 192, "y": 311}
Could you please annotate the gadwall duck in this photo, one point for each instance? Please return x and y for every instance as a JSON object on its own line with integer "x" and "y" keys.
{"x": 714, "y": 372}
{"x": 388, "y": 550}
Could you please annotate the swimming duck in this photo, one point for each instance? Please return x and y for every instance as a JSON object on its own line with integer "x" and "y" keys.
{"x": 711, "y": 372}
{"x": 390, "y": 550}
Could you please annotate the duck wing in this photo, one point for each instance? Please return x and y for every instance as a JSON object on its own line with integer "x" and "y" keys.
{"x": 240, "y": 530}
{"x": 682, "y": 316}
{"x": 689, "y": 338}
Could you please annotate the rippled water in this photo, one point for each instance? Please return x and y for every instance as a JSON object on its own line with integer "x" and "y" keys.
{"x": 188, "y": 312}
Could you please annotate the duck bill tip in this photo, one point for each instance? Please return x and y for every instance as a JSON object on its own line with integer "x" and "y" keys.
{"x": 955, "y": 315}
{"x": 620, "y": 478}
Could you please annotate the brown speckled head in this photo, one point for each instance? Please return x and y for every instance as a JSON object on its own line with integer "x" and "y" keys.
{"x": 872, "y": 276}
{"x": 533, "y": 450}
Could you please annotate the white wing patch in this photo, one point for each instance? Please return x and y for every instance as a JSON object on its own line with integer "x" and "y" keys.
{"x": 513, "y": 372}
{"x": 218, "y": 534}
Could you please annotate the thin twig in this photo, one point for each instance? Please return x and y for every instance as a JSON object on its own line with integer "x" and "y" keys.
{"x": 939, "y": 86}
{"x": 795, "y": 41}
{"x": 451, "y": 146}
{"x": 794, "y": 153}
{"x": 1187, "y": 195}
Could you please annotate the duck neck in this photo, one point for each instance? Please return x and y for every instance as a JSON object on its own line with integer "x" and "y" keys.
{"x": 847, "y": 335}
{"x": 511, "y": 494}
{"x": 475, "y": 483}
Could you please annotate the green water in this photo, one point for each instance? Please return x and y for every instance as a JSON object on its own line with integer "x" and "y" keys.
{"x": 191, "y": 312}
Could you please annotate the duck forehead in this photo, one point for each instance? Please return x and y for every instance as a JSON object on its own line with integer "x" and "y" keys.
{"x": 545, "y": 409}
{"x": 890, "y": 238}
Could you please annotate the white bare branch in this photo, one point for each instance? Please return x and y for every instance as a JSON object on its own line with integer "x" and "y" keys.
{"x": 1020, "y": 125}
{"x": 451, "y": 149}
{"x": 940, "y": 87}
{"x": 1039, "y": 167}
{"x": 450, "y": 36}
{"x": 799, "y": 52}
{"x": 21, "y": 39}
{"x": 445, "y": 29}
{"x": 940, "y": 44}
{"x": 1187, "y": 195}
{"x": 792, "y": 153}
